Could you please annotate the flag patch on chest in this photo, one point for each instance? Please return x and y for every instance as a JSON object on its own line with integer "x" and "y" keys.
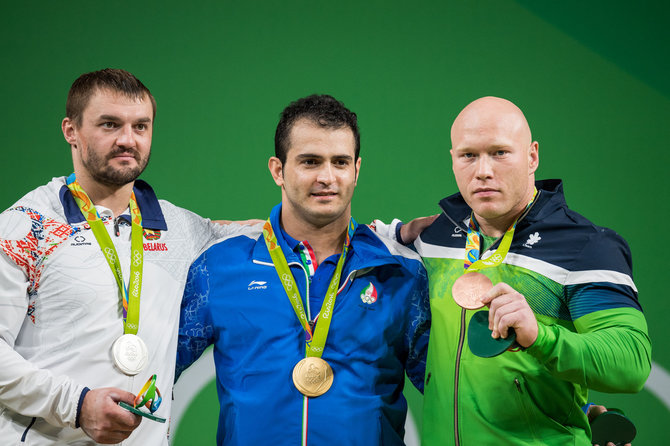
{"x": 369, "y": 294}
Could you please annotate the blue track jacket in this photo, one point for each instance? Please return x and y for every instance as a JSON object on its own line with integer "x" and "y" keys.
{"x": 235, "y": 300}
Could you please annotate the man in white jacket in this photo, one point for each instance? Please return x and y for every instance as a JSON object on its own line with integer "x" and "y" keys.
{"x": 78, "y": 334}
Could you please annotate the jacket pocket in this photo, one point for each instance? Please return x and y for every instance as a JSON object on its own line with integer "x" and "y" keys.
{"x": 524, "y": 406}
{"x": 543, "y": 428}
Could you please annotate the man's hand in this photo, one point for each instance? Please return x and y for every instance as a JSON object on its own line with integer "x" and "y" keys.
{"x": 508, "y": 308}
{"x": 103, "y": 420}
{"x": 410, "y": 231}
{"x": 239, "y": 222}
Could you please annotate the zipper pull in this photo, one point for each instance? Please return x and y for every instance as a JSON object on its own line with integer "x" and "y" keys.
{"x": 517, "y": 384}
{"x": 116, "y": 226}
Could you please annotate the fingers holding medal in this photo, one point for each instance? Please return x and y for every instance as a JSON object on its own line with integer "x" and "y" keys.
{"x": 509, "y": 309}
{"x": 472, "y": 291}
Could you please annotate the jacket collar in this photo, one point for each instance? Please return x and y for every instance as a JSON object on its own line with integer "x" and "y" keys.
{"x": 549, "y": 198}
{"x": 366, "y": 249}
{"x": 152, "y": 215}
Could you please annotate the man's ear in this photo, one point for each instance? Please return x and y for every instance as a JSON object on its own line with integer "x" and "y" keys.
{"x": 276, "y": 170}
{"x": 358, "y": 169}
{"x": 534, "y": 156}
{"x": 69, "y": 132}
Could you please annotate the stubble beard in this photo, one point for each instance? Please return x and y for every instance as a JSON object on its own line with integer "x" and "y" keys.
{"x": 102, "y": 172}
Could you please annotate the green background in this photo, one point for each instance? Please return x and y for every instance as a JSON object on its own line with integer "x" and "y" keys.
{"x": 592, "y": 78}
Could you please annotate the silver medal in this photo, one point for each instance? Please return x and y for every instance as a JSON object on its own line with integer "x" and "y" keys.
{"x": 130, "y": 354}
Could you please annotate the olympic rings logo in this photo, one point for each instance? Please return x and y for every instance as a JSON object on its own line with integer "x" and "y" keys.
{"x": 288, "y": 283}
{"x": 109, "y": 253}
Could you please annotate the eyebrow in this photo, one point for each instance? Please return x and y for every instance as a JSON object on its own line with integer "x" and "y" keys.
{"x": 492, "y": 147}
{"x": 314, "y": 155}
{"x": 116, "y": 118}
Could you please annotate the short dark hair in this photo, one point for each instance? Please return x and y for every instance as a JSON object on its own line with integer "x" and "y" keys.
{"x": 113, "y": 79}
{"x": 321, "y": 109}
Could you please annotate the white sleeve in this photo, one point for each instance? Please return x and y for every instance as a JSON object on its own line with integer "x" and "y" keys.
{"x": 25, "y": 388}
{"x": 386, "y": 230}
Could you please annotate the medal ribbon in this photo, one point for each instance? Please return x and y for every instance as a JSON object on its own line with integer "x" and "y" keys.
{"x": 473, "y": 244}
{"x": 317, "y": 340}
{"x": 130, "y": 295}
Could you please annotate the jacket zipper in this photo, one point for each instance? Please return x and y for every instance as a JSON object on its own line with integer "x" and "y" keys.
{"x": 457, "y": 375}
{"x": 117, "y": 232}
{"x": 462, "y": 335}
{"x": 305, "y": 426}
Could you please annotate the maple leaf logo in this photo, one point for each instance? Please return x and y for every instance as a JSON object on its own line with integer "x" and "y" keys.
{"x": 534, "y": 238}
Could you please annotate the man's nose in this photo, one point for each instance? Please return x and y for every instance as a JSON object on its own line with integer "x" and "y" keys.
{"x": 126, "y": 137}
{"x": 484, "y": 167}
{"x": 326, "y": 174}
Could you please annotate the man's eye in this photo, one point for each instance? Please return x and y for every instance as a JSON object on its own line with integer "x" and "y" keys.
{"x": 501, "y": 153}
{"x": 108, "y": 125}
{"x": 141, "y": 127}
{"x": 468, "y": 155}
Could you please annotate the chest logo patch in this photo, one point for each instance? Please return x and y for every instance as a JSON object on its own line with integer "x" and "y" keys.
{"x": 369, "y": 294}
{"x": 152, "y": 234}
{"x": 532, "y": 239}
{"x": 257, "y": 285}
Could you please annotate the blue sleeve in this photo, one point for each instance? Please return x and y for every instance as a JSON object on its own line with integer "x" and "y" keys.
{"x": 418, "y": 329}
{"x": 195, "y": 326}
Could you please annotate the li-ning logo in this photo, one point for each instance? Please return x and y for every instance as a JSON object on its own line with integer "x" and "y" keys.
{"x": 369, "y": 294}
{"x": 257, "y": 285}
{"x": 457, "y": 232}
{"x": 534, "y": 238}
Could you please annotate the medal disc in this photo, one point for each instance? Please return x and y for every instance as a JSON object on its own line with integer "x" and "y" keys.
{"x": 312, "y": 376}
{"x": 130, "y": 354}
{"x": 469, "y": 288}
{"x": 479, "y": 337}
{"x": 612, "y": 426}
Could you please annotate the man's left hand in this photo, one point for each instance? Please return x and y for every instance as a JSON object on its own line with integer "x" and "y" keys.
{"x": 509, "y": 308}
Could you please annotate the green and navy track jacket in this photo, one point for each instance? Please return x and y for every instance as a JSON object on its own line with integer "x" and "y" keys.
{"x": 577, "y": 278}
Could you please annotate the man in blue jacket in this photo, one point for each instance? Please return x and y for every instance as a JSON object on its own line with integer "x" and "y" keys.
{"x": 314, "y": 318}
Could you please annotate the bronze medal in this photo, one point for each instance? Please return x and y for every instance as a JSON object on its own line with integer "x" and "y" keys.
{"x": 469, "y": 288}
{"x": 312, "y": 376}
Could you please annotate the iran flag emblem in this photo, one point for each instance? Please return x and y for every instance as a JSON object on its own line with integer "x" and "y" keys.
{"x": 369, "y": 294}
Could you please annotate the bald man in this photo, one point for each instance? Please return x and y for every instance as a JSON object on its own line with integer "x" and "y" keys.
{"x": 564, "y": 284}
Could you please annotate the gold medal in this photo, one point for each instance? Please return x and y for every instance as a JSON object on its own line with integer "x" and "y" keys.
{"x": 312, "y": 376}
{"x": 469, "y": 288}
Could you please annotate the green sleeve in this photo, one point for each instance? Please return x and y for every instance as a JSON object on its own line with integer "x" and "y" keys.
{"x": 610, "y": 352}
